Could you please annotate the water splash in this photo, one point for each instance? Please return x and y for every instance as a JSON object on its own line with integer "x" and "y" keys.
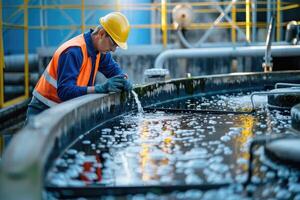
{"x": 139, "y": 105}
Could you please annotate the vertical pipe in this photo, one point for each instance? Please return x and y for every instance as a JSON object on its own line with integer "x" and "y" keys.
{"x": 42, "y": 23}
{"x": 46, "y": 38}
{"x": 26, "y": 68}
{"x": 1, "y": 60}
{"x": 278, "y": 21}
{"x": 248, "y": 22}
{"x": 233, "y": 16}
{"x": 269, "y": 10}
{"x": 254, "y": 20}
{"x": 164, "y": 22}
{"x": 82, "y": 17}
{"x": 153, "y": 21}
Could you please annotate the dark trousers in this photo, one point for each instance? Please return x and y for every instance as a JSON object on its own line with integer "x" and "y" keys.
{"x": 34, "y": 107}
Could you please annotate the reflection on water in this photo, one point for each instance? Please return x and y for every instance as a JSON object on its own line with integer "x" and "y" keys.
{"x": 171, "y": 149}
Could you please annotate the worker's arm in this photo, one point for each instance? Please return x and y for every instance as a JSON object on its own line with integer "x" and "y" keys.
{"x": 108, "y": 66}
{"x": 69, "y": 65}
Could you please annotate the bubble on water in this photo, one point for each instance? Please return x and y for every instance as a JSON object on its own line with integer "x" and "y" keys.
{"x": 163, "y": 170}
{"x": 72, "y": 173}
{"x": 212, "y": 122}
{"x": 263, "y": 168}
{"x": 283, "y": 173}
{"x": 193, "y": 179}
{"x": 255, "y": 179}
{"x": 227, "y": 151}
{"x": 158, "y": 155}
{"x": 266, "y": 192}
{"x": 283, "y": 194}
{"x": 166, "y": 179}
{"x": 218, "y": 151}
{"x": 294, "y": 187}
{"x": 242, "y": 161}
{"x": 241, "y": 178}
{"x": 251, "y": 188}
{"x": 219, "y": 167}
{"x": 216, "y": 159}
{"x": 59, "y": 180}
{"x": 263, "y": 126}
{"x": 270, "y": 175}
{"x": 258, "y": 132}
{"x": 195, "y": 153}
{"x": 86, "y": 142}
{"x": 192, "y": 194}
{"x": 196, "y": 164}
{"x": 225, "y": 138}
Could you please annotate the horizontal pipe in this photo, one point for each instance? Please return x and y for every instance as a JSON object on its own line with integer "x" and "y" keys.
{"x": 18, "y": 78}
{"x": 15, "y": 63}
{"x": 276, "y": 51}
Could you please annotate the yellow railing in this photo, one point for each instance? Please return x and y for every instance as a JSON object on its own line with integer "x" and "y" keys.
{"x": 4, "y": 103}
{"x": 164, "y": 7}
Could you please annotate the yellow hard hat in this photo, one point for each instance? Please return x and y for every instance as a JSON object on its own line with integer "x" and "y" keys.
{"x": 117, "y": 26}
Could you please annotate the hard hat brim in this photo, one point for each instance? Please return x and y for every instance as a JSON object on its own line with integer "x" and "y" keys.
{"x": 122, "y": 45}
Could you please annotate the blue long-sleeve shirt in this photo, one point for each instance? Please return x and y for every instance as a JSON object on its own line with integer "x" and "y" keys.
{"x": 69, "y": 64}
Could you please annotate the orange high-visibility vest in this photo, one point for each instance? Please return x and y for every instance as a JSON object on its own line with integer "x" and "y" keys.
{"x": 46, "y": 88}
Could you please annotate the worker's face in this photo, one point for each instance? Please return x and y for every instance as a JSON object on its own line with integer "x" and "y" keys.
{"x": 105, "y": 43}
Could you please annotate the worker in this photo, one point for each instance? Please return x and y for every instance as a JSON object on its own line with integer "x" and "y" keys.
{"x": 72, "y": 70}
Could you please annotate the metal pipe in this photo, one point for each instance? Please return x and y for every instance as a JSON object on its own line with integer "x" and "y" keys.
{"x": 1, "y": 61}
{"x": 82, "y": 17}
{"x": 15, "y": 63}
{"x": 268, "y": 65}
{"x": 26, "y": 51}
{"x": 254, "y": 19}
{"x": 17, "y": 78}
{"x": 278, "y": 51}
{"x": 269, "y": 11}
{"x": 277, "y": 85}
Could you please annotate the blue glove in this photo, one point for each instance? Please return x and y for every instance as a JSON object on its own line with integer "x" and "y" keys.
{"x": 128, "y": 85}
{"x": 114, "y": 84}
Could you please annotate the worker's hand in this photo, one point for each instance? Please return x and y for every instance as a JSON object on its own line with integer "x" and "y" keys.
{"x": 114, "y": 84}
{"x": 128, "y": 86}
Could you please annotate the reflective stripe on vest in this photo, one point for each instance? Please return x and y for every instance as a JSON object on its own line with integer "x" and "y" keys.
{"x": 46, "y": 101}
{"x": 49, "y": 78}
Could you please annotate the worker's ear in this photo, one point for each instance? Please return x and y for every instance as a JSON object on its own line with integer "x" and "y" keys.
{"x": 102, "y": 33}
